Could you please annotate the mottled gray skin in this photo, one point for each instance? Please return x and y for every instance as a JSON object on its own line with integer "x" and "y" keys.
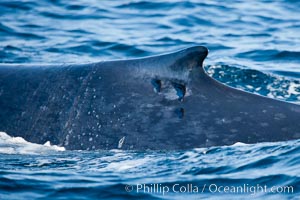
{"x": 133, "y": 104}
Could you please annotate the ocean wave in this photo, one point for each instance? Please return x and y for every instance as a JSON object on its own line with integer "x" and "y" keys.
{"x": 271, "y": 55}
{"x": 105, "y": 174}
{"x": 257, "y": 82}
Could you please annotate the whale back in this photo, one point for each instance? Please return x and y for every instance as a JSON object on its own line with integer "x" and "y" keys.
{"x": 159, "y": 102}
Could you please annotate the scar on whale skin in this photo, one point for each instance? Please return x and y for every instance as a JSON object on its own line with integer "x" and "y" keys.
{"x": 156, "y": 83}
{"x": 180, "y": 90}
{"x": 179, "y": 112}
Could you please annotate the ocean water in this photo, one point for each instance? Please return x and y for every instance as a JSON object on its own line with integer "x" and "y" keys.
{"x": 254, "y": 46}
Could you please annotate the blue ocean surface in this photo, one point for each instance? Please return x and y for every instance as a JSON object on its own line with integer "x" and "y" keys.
{"x": 254, "y": 46}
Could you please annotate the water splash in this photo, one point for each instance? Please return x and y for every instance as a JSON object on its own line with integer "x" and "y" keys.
{"x": 17, "y": 145}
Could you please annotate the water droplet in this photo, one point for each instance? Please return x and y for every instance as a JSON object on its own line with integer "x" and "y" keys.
{"x": 121, "y": 141}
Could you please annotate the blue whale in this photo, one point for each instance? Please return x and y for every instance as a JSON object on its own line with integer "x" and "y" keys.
{"x": 163, "y": 102}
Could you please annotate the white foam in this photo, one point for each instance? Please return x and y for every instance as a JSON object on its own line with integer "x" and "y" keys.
{"x": 238, "y": 144}
{"x": 17, "y": 145}
{"x": 128, "y": 164}
{"x": 293, "y": 88}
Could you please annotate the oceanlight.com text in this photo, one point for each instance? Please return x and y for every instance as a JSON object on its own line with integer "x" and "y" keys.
{"x": 164, "y": 189}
